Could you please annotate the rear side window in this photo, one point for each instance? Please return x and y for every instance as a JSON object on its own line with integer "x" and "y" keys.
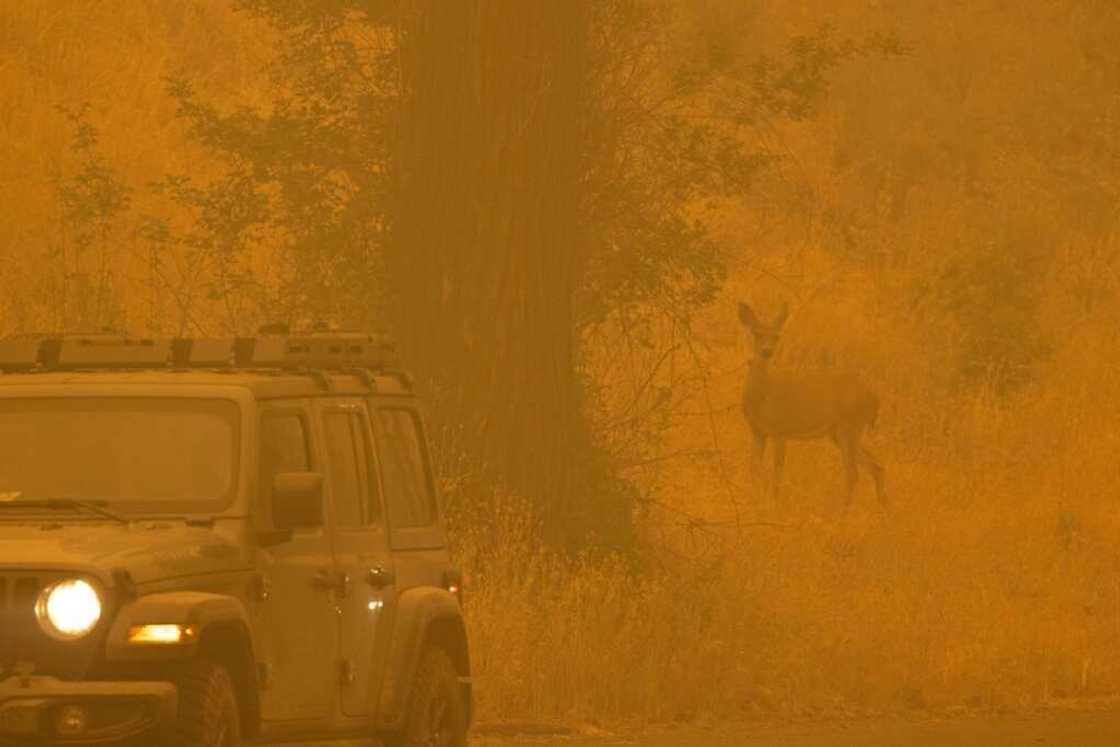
{"x": 404, "y": 470}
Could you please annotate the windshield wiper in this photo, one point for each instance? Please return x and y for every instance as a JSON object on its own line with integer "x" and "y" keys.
{"x": 59, "y": 504}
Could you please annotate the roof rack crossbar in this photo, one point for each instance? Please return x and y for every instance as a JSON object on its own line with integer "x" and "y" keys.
{"x": 330, "y": 351}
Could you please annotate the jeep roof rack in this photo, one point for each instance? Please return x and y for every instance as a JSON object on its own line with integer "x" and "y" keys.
{"x": 275, "y": 348}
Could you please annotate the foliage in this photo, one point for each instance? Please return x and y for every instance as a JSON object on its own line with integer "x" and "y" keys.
{"x": 79, "y": 277}
{"x": 973, "y": 162}
{"x": 203, "y": 267}
{"x": 994, "y": 293}
{"x": 318, "y": 158}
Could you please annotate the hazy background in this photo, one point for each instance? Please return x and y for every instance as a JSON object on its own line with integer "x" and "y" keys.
{"x": 555, "y": 207}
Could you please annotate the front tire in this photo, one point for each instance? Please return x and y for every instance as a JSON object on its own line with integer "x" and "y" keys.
{"x": 435, "y": 715}
{"x": 208, "y": 713}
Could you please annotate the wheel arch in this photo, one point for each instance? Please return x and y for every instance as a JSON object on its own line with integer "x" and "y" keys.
{"x": 223, "y": 636}
{"x": 424, "y": 617}
{"x": 229, "y": 643}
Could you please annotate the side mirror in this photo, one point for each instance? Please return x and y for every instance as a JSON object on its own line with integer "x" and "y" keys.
{"x": 297, "y": 500}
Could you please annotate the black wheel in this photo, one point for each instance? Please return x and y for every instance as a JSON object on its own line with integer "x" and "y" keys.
{"x": 435, "y": 714}
{"x": 208, "y": 713}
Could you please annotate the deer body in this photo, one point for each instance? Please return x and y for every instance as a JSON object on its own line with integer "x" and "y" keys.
{"x": 782, "y": 406}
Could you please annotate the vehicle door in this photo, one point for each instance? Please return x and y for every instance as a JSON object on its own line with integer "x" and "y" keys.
{"x": 299, "y": 629}
{"x": 360, "y": 547}
{"x": 416, "y": 535}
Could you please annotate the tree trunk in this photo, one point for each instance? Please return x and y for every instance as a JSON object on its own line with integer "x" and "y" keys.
{"x": 487, "y": 242}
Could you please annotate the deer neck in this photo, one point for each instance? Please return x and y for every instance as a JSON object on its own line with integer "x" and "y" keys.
{"x": 758, "y": 379}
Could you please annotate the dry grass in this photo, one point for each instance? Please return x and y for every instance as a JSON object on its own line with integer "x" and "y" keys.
{"x": 981, "y": 587}
{"x": 994, "y": 581}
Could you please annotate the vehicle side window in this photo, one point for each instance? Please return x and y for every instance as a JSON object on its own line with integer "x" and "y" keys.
{"x": 373, "y": 486}
{"x": 342, "y": 457}
{"x": 283, "y": 448}
{"x": 404, "y": 470}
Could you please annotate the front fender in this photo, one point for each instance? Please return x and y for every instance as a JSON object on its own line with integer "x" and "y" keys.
{"x": 202, "y": 609}
{"x": 420, "y": 616}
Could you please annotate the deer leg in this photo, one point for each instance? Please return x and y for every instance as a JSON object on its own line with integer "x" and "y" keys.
{"x": 779, "y": 464}
{"x": 875, "y": 467}
{"x": 758, "y": 448}
{"x": 848, "y": 452}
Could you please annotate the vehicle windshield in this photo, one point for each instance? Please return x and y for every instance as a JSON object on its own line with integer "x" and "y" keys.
{"x": 134, "y": 453}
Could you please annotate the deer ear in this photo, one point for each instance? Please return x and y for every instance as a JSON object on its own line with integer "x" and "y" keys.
{"x": 747, "y": 317}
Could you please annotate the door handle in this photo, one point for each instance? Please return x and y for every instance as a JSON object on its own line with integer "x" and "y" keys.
{"x": 380, "y": 577}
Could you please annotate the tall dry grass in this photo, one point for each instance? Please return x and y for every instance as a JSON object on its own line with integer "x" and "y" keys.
{"x": 993, "y": 581}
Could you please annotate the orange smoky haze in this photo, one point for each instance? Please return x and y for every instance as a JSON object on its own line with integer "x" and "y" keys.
{"x": 559, "y": 211}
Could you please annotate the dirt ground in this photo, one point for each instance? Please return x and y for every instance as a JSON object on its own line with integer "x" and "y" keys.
{"x": 1083, "y": 726}
{"x": 1069, "y": 728}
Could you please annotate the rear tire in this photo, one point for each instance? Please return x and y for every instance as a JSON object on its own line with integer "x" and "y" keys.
{"x": 435, "y": 715}
{"x": 208, "y": 712}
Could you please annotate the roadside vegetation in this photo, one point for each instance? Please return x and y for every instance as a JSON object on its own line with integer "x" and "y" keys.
{"x": 990, "y": 583}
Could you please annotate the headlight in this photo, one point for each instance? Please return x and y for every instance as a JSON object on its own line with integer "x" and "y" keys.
{"x": 68, "y": 609}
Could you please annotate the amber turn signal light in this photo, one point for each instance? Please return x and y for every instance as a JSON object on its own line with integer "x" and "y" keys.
{"x": 162, "y": 634}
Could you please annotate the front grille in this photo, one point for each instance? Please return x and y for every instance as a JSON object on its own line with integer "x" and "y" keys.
{"x": 19, "y": 633}
{"x": 24, "y": 644}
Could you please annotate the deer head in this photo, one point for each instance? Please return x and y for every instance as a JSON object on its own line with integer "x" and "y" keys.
{"x": 765, "y": 336}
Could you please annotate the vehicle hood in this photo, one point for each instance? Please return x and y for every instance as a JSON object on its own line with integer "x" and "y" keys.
{"x": 150, "y": 551}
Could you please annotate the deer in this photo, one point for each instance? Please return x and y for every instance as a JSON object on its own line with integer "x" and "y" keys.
{"x": 783, "y": 406}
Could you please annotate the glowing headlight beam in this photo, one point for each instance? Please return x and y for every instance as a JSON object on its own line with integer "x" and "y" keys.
{"x": 68, "y": 609}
